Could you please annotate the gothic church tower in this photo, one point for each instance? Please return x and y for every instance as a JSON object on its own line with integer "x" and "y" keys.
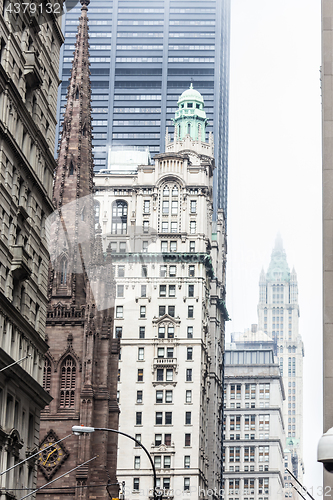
{"x": 82, "y": 361}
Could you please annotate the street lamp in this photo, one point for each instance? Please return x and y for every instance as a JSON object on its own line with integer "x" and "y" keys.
{"x": 80, "y": 429}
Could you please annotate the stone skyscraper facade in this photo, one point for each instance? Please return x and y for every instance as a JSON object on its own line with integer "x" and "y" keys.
{"x": 143, "y": 54}
{"x": 327, "y": 119}
{"x": 29, "y": 63}
{"x": 170, "y": 272}
{"x": 81, "y": 363}
{"x": 278, "y": 317}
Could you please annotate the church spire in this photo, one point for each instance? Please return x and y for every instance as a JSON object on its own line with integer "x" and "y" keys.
{"x": 74, "y": 173}
{"x": 73, "y": 237}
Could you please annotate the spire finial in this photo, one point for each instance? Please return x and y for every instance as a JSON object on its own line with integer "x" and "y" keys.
{"x": 191, "y": 86}
{"x": 278, "y": 242}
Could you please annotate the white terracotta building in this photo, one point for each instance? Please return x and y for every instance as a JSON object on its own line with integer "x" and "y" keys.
{"x": 254, "y": 430}
{"x": 169, "y": 263}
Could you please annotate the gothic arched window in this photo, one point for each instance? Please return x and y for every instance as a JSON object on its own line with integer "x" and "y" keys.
{"x": 169, "y": 214}
{"x": 67, "y": 385}
{"x": 47, "y": 375}
{"x": 63, "y": 271}
{"x": 119, "y": 217}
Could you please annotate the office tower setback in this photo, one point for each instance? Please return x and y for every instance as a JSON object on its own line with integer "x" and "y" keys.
{"x": 278, "y": 317}
{"x": 143, "y": 53}
{"x": 254, "y": 436}
{"x": 29, "y": 64}
{"x": 82, "y": 361}
{"x": 169, "y": 312}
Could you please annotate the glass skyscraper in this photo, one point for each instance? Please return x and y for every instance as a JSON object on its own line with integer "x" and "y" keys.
{"x": 143, "y": 54}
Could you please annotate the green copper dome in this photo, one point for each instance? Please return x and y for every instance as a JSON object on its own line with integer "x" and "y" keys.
{"x": 278, "y": 269}
{"x": 190, "y": 118}
{"x": 191, "y": 95}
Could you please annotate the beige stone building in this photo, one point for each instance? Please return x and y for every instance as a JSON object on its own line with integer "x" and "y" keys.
{"x": 327, "y": 117}
{"x": 29, "y": 60}
{"x": 169, "y": 260}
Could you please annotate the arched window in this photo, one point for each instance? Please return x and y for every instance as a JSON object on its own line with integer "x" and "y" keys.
{"x": 189, "y": 129}
{"x": 47, "y": 375}
{"x": 170, "y": 208}
{"x": 71, "y": 169}
{"x": 67, "y": 385}
{"x": 63, "y": 271}
{"x": 77, "y": 95}
{"x": 119, "y": 217}
{"x": 97, "y": 208}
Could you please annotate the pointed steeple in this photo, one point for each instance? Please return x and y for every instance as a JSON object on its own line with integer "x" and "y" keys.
{"x": 278, "y": 242}
{"x": 73, "y": 183}
{"x": 278, "y": 269}
{"x": 74, "y": 173}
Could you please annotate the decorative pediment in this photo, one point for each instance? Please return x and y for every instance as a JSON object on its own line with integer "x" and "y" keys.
{"x": 164, "y": 318}
{"x": 69, "y": 351}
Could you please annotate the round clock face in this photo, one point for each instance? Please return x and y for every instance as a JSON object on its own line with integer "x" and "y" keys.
{"x": 50, "y": 457}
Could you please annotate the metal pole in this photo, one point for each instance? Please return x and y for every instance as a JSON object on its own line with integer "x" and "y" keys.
{"x": 140, "y": 444}
{"x": 301, "y": 485}
{"x": 15, "y": 362}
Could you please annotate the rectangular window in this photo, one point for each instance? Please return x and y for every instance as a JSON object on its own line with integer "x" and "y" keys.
{"x": 158, "y": 461}
{"x": 146, "y": 206}
{"x": 119, "y": 332}
{"x": 187, "y": 439}
{"x": 247, "y": 391}
{"x": 113, "y": 247}
{"x": 120, "y": 291}
{"x": 145, "y": 246}
{"x": 190, "y": 311}
{"x": 165, "y": 207}
{"x": 121, "y": 271}
{"x": 191, "y": 271}
{"x": 253, "y": 423}
{"x": 161, "y": 310}
{"x": 162, "y": 290}
{"x": 186, "y": 483}
{"x": 122, "y": 247}
{"x": 168, "y": 417}
{"x": 138, "y": 418}
{"x": 253, "y": 391}
{"x": 167, "y": 439}
{"x": 140, "y": 375}
{"x": 144, "y": 271}
{"x": 238, "y": 391}
{"x": 190, "y": 332}
{"x": 172, "y": 271}
{"x": 252, "y": 451}
{"x": 187, "y": 461}
{"x": 141, "y": 353}
{"x": 166, "y": 483}
{"x": 163, "y": 271}
{"x": 237, "y": 454}
{"x": 159, "y": 396}
{"x": 191, "y": 290}
{"x": 192, "y": 246}
{"x": 146, "y": 226}
{"x": 232, "y": 423}
{"x": 143, "y": 290}
{"x": 231, "y": 454}
{"x": 161, "y": 332}
{"x": 167, "y": 461}
{"x": 158, "y": 418}
{"x": 174, "y": 207}
{"x": 172, "y": 290}
{"x": 193, "y": 227}
{"x": 136, "y": 483}
{"x": 165, "y": 227}
{"x": 171, "y": 311}
{"x": 188, "y": 396}
{"x": 232, "y": 391}
{"x": 238, "y": 423}
{"x": 138, "y": 438}
{"x": 188, "y": 418}
{"x": 160, "y": 352}
{"x": 136, "y": 462}
{"x": 168, "y": 396}
{"x": 174, "y": 227}
{"x": 119, "y": 312}
{"x": 142, "y": 331}
{"x": 158, "y": 439}
{"x": 169, "y": 375}
{"x": 189, "y": 353}
{"x": 169, "y": 352}
{"x": 142, "y": 311}
{"x": 193, "y": 206}
{"x": 160, "y": 374}
{"x": 173, "y": 246}
{"x": 246, "y": 454}
{"x": 139, "y": 395}
{"x": 246, "y": 422}
{"x": 171, "y": 331}
{"x": 189, "y": 375}
{"x": 164, "y": 246}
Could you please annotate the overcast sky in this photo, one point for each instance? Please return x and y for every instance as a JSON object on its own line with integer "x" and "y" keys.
{"x": 275, "y": 175}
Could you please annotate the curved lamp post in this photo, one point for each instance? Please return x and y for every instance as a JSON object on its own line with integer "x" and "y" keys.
{"x": 80, "y": 429}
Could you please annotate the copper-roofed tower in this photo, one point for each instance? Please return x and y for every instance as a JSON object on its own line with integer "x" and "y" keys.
{"x": 82, "y": 362}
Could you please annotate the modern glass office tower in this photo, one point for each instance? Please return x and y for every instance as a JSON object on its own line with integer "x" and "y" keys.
{"x": 144, "y": 53}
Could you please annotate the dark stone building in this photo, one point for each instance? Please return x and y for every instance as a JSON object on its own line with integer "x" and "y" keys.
{"x": 82, "y": 359}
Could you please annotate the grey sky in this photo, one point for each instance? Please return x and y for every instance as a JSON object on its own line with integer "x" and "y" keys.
{"x": 275, "y": 175}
